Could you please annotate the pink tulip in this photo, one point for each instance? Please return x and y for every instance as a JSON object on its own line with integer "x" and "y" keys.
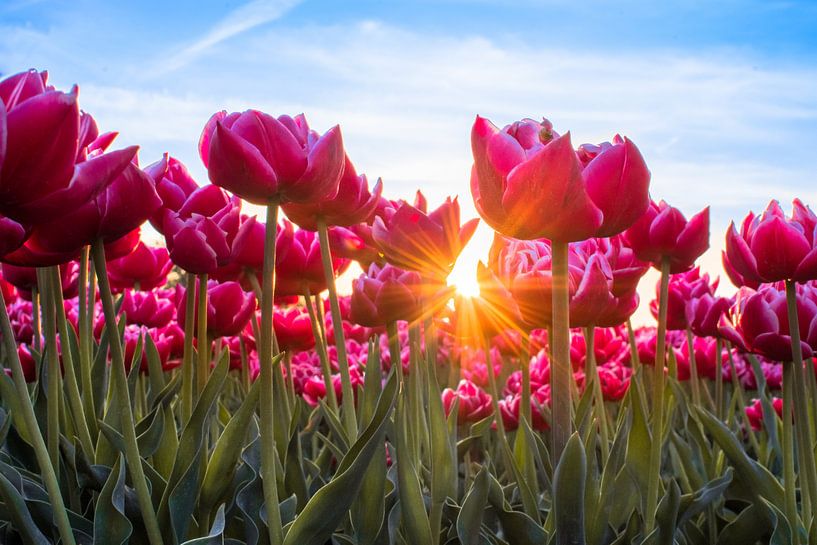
{"x": 758, "y": 321}
{"x": 755, "y": 412}
{"x": 229, "y": 308}
{"x": 298, "y": 262}
{"x": 174, "y": 185}
{"x": 773, "y": 247}
{"x": 683, "y": 288}
{"x": 426, "y": 243}
{"x": 528, "y": 182}
{"x": 293, "y": 329}
{"x": 149, "y": 308}
{"x": 474, "y": 404}
{"x": 353, "y": 203}
{"x": 509, "y": 409}
{"x": 146, "y": 267}
{"x": 385, "y": 295}
{"x": 663, "y": 232}
{"x": 264, "y": 159}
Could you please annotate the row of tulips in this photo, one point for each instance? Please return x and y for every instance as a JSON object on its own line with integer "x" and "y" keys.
{"x": 220, "y": 390}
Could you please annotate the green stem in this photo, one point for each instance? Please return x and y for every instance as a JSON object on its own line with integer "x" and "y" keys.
{"x": 654, "y": 477}
{"x": 53, "y": 373}
{"x": 524, "y": 364}
{"x": 202, "y": 343}
{"x": 74, "y": 398}
{"x": 85, "y": 344}
{"x": 348, "y": 401}
{"x": 592, "y": 375}
{"x": 693, "y": 370}
{"x": 718, "y": 379}
{"x": 47, "y": 472}
{"x": 394, "y": 349}
{"x": 802, "y": 422}
{"x": 120, "y": 379}
{"x": 320, "y": 348}
{"x": 36, "y": 323}
{"x": 187, "y": 358}
{"x": 560, "y": 374}
{"x": 789, "y": 484}
{"x": 268, "y": 449}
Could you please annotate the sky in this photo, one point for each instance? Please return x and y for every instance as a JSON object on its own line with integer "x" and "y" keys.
{"x": 720, "y": 96}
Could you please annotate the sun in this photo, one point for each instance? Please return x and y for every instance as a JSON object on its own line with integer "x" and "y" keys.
{"x": 464, "y": 276}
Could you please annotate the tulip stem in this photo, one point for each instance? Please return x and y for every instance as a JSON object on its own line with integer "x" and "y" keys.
{"x": 47, "y": 472}
{"x": 85, "y": 345}
{"x": 202, "y": 344}
{"x": 35, "y": 319}
{"x": 53, "y": 374}
{"x": 803, "y": 421}
{"x": 718, "y": 379}
{"x": 268, "y": 449}
{"x": 74, "y": 398}
{"x": 524, "y": 407}
{"x": 120, "y": 379}
{"x": 654, "y": 477}
{"x": 789, "y": 484}
{"x": 592, "y": 375}
{"x": 320, "y": 348}
{"x": 561, "y": 425}
{"x": 187, "y": 358}
{"x": 348, "y": 401}
{"x": 394, "y": 349}
{"x": 693, "y": 370}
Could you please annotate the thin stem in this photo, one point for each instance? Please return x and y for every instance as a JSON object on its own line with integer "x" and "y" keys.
{"x": 36, "y": 324}
{"x": 789, "y": 484}
{"x": 718, "y": 379}
{"x": 348, "y": 401}
{"x": 802, "y": 422}
{"x": 592, "y": 375}
{"x": 187, "y": 358}
{"x": 120, "y": 379}
{"x": 693, "y": 370}
{"x": 47, "y": 472}
{"x": 524, "y": 364}
{"x": 560, "y": 375}
{"x": 268, "y": 449}
{"x": 202, "y": 344}
{"x": 85, "y": 357}
{"x": 53, "y": 373}
{"x": 394, "y": 349}
{"x": 74, "y": 398}
{"x": 320, "y": 348}
{"x": 654, "y": 477}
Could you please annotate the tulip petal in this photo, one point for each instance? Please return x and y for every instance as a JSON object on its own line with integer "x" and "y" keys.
{"x": 238, "y": 166}
{"x": 323, "y": 172}
{"x": 779, "y": 248}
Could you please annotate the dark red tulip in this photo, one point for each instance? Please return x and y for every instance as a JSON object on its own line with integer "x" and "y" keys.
{"x": 293, "y": 329}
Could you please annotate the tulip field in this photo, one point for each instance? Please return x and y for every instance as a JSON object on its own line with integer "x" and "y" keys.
{"x": 220, "y": 389}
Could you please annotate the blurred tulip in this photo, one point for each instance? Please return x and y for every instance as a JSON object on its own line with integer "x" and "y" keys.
{"x": 293, "y": 329}
{"x": 683, "y": 288}
{"x": 229, "y": 308}
{"x": 385, "y": 295}
{"x": 148, "y": 308}
{"x": 146, "y": 267}
{"x": 474, "y": 404}
{"x": 298, "y": 262}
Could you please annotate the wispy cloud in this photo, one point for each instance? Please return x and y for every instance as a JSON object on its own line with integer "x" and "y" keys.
{"x": 238, "y": 21}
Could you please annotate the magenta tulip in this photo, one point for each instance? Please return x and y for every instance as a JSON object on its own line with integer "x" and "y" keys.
{"x": 145, "y": 267}
{"x": 385, "y": 295}
{"x": 263, "y": 159}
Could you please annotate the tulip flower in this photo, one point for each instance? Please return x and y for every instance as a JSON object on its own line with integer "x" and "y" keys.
{"x": 664, "y": 233}
{"x": 229, "y": 309}
{"x": 43, "y": 138}
{"x": 174, "y": 185}
{"x": 473, "y": 405}
{"x": 293, "y": 329}
{"x": 773, "y": 247}
{"x": 703, "y": 313}
{"x": 683, "y": 288}
{"x": 385, "y": 295}
{"x": 528, "y": 182}
{"x": 264, "y": 159}
{"x": 353, "y": 203}
{"x": 145, "y": 267}
{"x": 12, "y": 235}
{"x": 25, "y": 279}
{"x": 152, "y": 309}
{"x": 509, "y": 409}
{"x": 298, "y": 263}
{"x": 755, "y": 412}
{"x": 200, "y": 236}
{"x": 426, "y": 243}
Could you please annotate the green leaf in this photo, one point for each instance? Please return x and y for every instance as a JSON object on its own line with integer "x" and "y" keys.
{"x": 469, "y": 520}
{"x": 111, "y": 525}
{"x": 328, "y": 507}
{"x": 181, "y": 492}
{"x": 412, "y": 506}
{"x": 222, "y": 465}
{"x": 568, "y": 491}
{"x": 19, "y": 514}
{"x": 518, "y": 528}
{"x": 216, "y": 535}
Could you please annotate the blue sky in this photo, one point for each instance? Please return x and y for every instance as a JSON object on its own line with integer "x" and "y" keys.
{"x": 719, "y": 96}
